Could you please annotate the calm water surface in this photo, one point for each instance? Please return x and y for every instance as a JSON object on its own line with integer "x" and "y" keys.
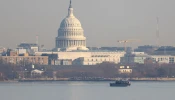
{"x": 87, "y": 91}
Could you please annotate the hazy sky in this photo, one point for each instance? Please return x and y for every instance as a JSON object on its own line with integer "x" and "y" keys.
{"x": 104, "y": 21}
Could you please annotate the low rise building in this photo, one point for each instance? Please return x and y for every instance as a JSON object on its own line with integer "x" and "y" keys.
{"x": 63, "y": 62}
{"x": 2, "y": 49}
{"x": 95, "y": 60}
{"x": 136, "y": 57}
{"x": 30, "y": 47}
{"x": 125, "y": 70}
{"x": 22, "y": 60}
{"x": 21, "y": 50}
{"x": 167, "y": 59}
{"x": 86, "y": 57}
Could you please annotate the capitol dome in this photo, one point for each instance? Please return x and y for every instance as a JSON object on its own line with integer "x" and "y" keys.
{"x": 70, "y": 34}
{"x": 70, "y": 22}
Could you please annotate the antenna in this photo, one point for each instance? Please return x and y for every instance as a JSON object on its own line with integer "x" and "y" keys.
{"x": 157, "y": 32}
{"x": 37, "y": 39}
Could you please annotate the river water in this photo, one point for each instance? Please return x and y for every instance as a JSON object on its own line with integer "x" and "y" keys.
{"x": 87, "y": 91}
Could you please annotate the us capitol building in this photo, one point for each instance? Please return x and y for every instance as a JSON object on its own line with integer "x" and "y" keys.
{"x": 71, "y": 45}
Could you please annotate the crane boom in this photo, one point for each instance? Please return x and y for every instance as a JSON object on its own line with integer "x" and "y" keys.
{"x": 127, "y": 41}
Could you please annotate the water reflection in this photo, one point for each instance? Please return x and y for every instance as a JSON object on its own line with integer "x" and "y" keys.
{"x": 86, "y": 91}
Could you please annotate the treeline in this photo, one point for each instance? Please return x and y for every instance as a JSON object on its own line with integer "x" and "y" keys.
{"x": 105, "y": 70}
{"x": 154, "y": 70}
{"x": 9, "y": 71}
{"x": 110, "y": 70}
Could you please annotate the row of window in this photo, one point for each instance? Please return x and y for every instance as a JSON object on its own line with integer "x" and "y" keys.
{"x": 24, "y": 58}
{"x": 126, "y": 71}
{"x": 71, "y": 34}
{"x": 161, "y": 59}
{"x": 63, "y": 30}
{"x": 67, "y": 25}
{"x": 70, "y": 43}
{"x": 101, "y": 60}
{"x": 18, "y": 62}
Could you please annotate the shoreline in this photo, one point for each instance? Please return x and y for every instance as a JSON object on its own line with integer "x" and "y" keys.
{"x": 152, "y": 79}
{"x": 95, "y": 80}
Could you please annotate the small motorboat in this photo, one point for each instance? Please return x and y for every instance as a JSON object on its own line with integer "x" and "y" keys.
{"x": 120, "y": 83}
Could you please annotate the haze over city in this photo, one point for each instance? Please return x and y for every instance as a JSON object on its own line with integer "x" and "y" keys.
{"x": 87, "y": 49}
{"x": 104, "y": 22}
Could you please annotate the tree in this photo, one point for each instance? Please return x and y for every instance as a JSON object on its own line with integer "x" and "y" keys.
{"x": 161, "y": 72}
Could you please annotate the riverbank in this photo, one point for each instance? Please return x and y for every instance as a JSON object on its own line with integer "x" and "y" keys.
{"x": 100, "y": 79}
{"x": 79, "y": 79}
{"x": 152, "y": 79}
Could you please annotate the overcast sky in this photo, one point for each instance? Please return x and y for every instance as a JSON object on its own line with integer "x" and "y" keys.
{"x": 104, "y": 21}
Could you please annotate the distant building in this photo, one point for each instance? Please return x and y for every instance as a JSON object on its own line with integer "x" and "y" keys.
{"x": 96, "y": 60}
{"x": 21, "y": 50}
{"x": 165, "y": 50}
{"x": 128, "y": 49}
{"x": 63, "y": 62}
{"x": 36, "y": 72}
{"x": 11, "y": 52}
{"x": 87, "y": 58}
{"x": 23, "y": 60}
{"x": 135, "y": 57}
{"x": 30, "y": 47}
{"x": 2, "y": 49}
{"x": 125, "y": 70}
{"x": 166, "y": 59}
{"x": 149, "y": 49}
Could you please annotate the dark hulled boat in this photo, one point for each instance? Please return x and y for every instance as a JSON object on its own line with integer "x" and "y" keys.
{"x": 120, "y": 83}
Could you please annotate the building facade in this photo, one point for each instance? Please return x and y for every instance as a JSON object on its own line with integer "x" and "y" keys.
{"x": 135, "y": 57}
{"x": 23, "y": 60}
{"x": 125, "y": 70}
{"x": 85, "y": 58}
{"x": 167, "y": 59}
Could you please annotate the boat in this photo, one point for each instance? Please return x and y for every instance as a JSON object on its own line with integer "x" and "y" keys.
{"x": 120, "y": 83}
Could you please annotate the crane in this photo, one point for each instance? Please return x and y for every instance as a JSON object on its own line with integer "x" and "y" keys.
{"x": 127, "y": 41}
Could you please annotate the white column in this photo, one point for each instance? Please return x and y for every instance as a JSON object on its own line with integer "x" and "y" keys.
{"x": 62, "y": 43}
{"x": 67, "y": 43}
{"x": 59, "y": 43}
